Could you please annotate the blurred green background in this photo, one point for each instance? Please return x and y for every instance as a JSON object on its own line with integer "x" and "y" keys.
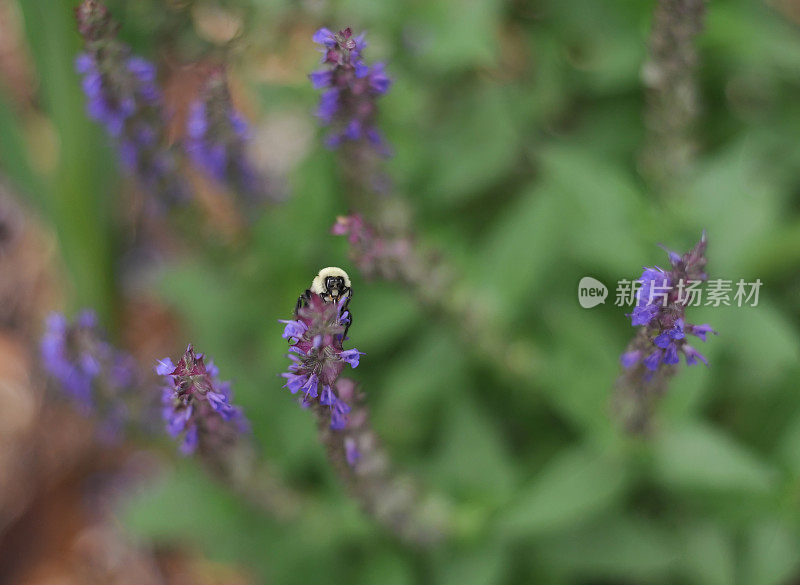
{"x": 517, "y": 126}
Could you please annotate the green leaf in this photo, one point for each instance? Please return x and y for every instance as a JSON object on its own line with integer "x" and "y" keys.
{"x": 476, "y": 141}
{"x": 575, "y": 486}
{"x": 708, "y": 556}
{"x": 700, "y": 457}
{"x": 771, "y": 554}
{"x": 623, "y": 548}
{"x": 473, "y": 460}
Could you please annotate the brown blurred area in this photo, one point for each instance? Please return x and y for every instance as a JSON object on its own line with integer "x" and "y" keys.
{"x": 57, "y": 484}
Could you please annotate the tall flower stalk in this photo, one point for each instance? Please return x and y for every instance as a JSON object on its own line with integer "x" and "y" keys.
{"x": 123, "y": 95}
{"x": 652, "y": 357}
{"x": 316, "y": 336}
{"x": 197, "y": 408}
{"x": 672, "y": 94}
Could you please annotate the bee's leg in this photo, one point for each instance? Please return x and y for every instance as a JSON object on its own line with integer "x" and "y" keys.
{"x": 302, "y": 301}
{"x": 347, "y": 327}
{"x": 348, "y": 294}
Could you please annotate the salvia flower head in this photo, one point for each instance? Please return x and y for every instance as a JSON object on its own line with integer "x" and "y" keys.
{"x": 661, "y": 310}
{"x": 351, "y": 89}
{"x": 99, "y": 379}
{"x": 217, "y": 139}
{"x": 315, "y": 336}
{"x": 123, "y": 95}
{"x": 197, "y": 406}
{"x": 664, "y": 334}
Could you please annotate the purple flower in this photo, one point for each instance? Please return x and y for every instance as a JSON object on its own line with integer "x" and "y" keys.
{"x": 351, "y": 451}
{"x": 123, "y": 95}
{"x": 651, "y": 362}
{"x": 630, "y": 358}
{"x": 293, "y": 329}
{"x": 98, "y": 378}
{"x": 325, "y": 38}
{"x": 692, "y": 355}
{"x": 660, "y": 313}
{"x": 701, "y": 330}
{"x": 316, "y": 337}
{"x": 198, "y": 404}
{"x": 218, "y": 138}
{"x": 351, "y": 356}
{"x": 349, "y": 101}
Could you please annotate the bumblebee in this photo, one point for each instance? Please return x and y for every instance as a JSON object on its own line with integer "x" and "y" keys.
{"x": 332, "y": 285}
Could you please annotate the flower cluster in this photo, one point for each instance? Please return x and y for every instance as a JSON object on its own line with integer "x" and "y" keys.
{"x": 217, "y": 139}
{"x": 652, "y": 358}
{"x": 122, "y": 94}
{"x": 316, "y": 335}
{"x": 197, "y": 405}
{"x": 661, "y": 311}
{"x": 98, "y": 378}
{"x": 348, "y": 103}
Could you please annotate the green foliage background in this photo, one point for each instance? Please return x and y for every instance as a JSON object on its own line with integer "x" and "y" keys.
{"x": 517, "y": 127}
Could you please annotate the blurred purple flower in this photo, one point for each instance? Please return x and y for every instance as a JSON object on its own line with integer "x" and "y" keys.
{"x": 123, "y": 96}
{"x": 349, "y": 102}
{"x": 98, "y": 378}
{"x": 217, "y": 141}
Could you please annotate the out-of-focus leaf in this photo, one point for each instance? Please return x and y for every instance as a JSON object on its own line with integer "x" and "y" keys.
{"x": 708, "y": 556}
{"x": 449, "y": 43}
{"x": 763, "y": 339}
{"x": 771, "y": 555}
{"x": 438, "y": 368}
{"x": 386, "y": 568}
{"x": 529, "y": 231}
{"x": 699, "y": 457}
{"x": 577, "y": 485}
{"x": 473, "y": 565}
{"x": 473, "y": 461}
{"x": 618, "y": 548}
{"x": 475, "y": 143}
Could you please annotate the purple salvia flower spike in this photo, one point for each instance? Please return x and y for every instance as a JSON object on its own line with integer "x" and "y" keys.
{"x": 99, "y": 379}
{"x": 218, "y": 142}
{"x": 198, "y": 404}
{"x": 351, "y": 88}
{"x": 660, "y": 314}
{"x": 122, "y": 95}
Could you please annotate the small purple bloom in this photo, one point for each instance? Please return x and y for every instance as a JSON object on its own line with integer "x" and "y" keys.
{"x": 692, "y": 355}
{"x": 351, "y": 451}
{"x": 327, "y": 398}
{"x": 321, "y": 79}
{"x": 293, "y": 329}
{"x": 651, "y": 362}
{"x": 324, "y": 37}
{"x": 339, "y": 412}
{"x": 351, "y": 356}
{"x": 630, "y": 358}
{"x": 701, "y": 330}
{"x": 671, "y": 354}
